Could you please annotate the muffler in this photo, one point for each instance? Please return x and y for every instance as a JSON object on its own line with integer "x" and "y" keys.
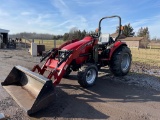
{"x": 32, "y": 91}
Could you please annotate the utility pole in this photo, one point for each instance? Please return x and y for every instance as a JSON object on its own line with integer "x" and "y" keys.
{"x": 54, "y": 43}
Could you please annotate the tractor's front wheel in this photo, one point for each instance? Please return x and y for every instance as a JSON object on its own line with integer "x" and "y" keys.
{"x": 87, "y": 75}
{"x": 121, "y": 61}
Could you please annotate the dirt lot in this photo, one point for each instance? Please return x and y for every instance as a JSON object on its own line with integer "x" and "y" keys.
{"x": 133, "y": 97}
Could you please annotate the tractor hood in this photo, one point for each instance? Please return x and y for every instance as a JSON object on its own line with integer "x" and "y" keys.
{"x": 75, "y": 45}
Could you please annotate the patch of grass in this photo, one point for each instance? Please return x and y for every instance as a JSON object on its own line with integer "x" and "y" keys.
{"x": 153, "y": 46}
{"x": 49, "y": 44}
{"x": 147, "y": 56}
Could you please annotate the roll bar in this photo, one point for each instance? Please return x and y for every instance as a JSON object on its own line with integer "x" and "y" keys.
{"x": 99, "y": 27}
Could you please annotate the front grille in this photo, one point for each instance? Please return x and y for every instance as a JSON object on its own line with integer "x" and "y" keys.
{"x": 62, "y": 54}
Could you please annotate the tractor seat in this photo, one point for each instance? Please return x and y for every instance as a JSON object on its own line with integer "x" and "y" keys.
{"x": 104, "y": 39}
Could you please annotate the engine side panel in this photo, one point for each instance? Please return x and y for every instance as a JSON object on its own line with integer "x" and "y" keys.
{"x": 85, "y": 50}
{"x": 75, "y": 45}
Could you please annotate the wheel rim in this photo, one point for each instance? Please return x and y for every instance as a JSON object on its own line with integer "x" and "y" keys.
{"x": 125, "y": 62}
{"x": 90, "y": 76}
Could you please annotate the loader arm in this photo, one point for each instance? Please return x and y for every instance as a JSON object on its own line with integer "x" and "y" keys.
{"x": 51, "y": 55}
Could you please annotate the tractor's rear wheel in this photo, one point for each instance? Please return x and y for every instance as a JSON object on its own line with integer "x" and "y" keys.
{"x": 87, "y": 75}
{"x": 121, "y": 61}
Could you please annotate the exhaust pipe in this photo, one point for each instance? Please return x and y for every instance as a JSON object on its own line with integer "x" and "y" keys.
{"x": 32, "y": 91}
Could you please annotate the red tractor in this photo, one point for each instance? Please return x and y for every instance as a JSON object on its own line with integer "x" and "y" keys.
{"x": 34, "y": 92}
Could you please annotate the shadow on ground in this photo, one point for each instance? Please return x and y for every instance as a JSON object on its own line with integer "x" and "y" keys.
{"x": 73, "y": 101}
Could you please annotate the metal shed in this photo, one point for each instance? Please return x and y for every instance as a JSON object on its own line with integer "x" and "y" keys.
{"x": 4, "y": 35}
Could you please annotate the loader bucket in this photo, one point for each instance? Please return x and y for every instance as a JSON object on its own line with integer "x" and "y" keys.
{"x": 30, "y": 90}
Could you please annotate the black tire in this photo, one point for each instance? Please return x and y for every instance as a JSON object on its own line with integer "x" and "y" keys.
{"x": 87, "y": 75}
{"x": 68, "y": 71}
{"x": 121, "y": 61}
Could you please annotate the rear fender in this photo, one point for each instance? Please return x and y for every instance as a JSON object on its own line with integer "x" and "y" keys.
{"x": 116, "y": 45}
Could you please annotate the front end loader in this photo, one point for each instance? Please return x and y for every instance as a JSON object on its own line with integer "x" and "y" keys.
{"x": 33, "y": 92}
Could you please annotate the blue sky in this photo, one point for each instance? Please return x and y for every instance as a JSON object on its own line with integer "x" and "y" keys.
{"x": 59, "y": 16}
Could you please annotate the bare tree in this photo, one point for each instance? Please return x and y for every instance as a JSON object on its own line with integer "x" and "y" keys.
{"x": 36, "y": 36}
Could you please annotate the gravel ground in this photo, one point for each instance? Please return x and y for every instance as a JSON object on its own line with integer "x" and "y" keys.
{"x": 133, "y": 97}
